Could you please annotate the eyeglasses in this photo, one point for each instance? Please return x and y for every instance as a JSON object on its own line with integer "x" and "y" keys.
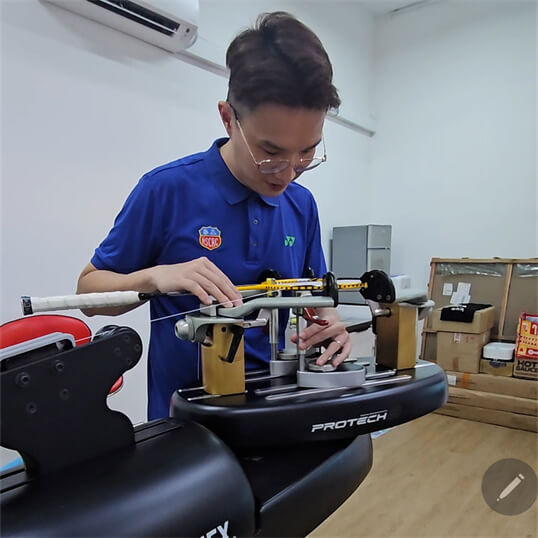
{"x": 274, "y": 166}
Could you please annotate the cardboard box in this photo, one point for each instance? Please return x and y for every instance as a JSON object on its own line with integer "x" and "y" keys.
{"x": 489, "y": 400}
{"x": 429, "y": 346}
{"x": 491, "y": 416}
{"x": 489, "y": 280}
{"x": 460, "y": 352}
{"x": 483, "y": 320}
{"x": 492, "y": 367}
{"x": 522, "y": 296}
{"x": 526, "y": 368}
{"x": 511, "y": 386}
{"x": 527, "y": 337}
{"x": 486, "y": 277}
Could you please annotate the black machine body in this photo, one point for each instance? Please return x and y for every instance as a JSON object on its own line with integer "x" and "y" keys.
{"x": 274, "y": 460}
{"x": 88, "y": 472}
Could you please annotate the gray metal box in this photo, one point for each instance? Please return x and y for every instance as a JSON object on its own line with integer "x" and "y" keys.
{"x": 357, "y": 249}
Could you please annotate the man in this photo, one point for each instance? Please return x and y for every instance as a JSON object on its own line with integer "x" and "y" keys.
{"x": 216, "y": 219}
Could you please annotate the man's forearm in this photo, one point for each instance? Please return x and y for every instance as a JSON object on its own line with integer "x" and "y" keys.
{"x": 94, "y": 280}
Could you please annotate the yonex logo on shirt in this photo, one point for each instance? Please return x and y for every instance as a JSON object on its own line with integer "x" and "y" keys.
{"x": 288, "y": 242}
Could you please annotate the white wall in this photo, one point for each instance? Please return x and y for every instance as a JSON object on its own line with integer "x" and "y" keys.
{"x": 87, "y": 110}
{"x": 454, "y": 157}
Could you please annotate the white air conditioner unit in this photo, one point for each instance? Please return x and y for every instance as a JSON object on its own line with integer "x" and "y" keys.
{"x": 169, "y": 24}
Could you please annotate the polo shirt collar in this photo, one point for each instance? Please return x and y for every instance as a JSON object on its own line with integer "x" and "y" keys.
{"x": 232, "y": 190}
{"x": 273, "y": 201}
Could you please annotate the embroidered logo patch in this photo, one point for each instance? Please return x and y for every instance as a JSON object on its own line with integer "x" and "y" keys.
{"x": 288, "y": 242}
{"x": 210, "y": 237}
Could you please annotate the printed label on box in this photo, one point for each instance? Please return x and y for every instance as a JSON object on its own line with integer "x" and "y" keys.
{"x": 462, "y": 294}
{"x": 527, "y": 337}
{"x": 527, "y": 368}
{"x": 464, "y": 288}
{"x": 457, "y": 338}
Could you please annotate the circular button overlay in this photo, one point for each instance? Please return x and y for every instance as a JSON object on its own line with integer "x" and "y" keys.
{"x": 510, "y": 487}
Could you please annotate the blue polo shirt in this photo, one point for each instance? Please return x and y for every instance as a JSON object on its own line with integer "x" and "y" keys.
{"x": 195, "y": 207}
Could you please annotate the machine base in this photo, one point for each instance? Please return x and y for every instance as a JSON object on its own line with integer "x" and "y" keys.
{"x": 275, "y": 411}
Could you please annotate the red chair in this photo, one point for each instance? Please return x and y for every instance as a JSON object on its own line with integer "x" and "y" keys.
{"x": 23, "y": 329}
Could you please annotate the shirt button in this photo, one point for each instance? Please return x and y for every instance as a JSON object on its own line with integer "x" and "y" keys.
{"x": 255, "y": 221}
{"x": 254, "y": 243}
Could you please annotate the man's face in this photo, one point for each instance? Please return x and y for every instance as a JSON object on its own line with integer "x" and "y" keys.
{"x": 273, "y": 132}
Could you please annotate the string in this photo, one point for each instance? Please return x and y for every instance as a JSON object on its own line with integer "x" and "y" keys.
{"x": 177, "y": 314}
{"x": 198, "y": 309}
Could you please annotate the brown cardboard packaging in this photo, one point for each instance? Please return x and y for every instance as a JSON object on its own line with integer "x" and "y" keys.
{"x": 489, "y": 400}
{"x": 522, "y": 296}
{"x": 526, "y": 368}
{"x": 522, "y": 388}
{"x": 482, "y": 321}
{"x": 488, "y": 283}
{"x": 460, "y": 352}
{"x": 429, "y": 346}
{"x": 490, "y": 416}
{"x": 493, "y": 367}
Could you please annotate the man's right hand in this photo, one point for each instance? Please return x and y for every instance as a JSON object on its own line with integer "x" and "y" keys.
{"x": 201, "y": 277}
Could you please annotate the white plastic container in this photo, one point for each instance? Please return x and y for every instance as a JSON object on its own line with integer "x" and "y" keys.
{"x": 498, "y": 351}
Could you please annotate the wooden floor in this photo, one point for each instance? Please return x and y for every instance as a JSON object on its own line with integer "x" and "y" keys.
{"x": 426, "y": 481}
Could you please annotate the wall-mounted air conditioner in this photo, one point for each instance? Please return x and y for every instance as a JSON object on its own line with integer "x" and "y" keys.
{"x": 169, "y": 24}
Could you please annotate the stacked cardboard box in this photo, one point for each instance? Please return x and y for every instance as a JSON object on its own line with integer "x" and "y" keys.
{"x": 492, "y": 395}
{"x": 505, "y": 401}
{"x": 459, "y": 344}
{"x": 511, "y": 285}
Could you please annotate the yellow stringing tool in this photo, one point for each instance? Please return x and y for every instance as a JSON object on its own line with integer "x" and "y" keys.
{"x": 301, "y": 284}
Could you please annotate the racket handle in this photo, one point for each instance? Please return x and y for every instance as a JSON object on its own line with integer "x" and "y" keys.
{"x": 33, "y": 305}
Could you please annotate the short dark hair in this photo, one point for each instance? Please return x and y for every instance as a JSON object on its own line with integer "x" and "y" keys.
{"x": 280, "y": 61}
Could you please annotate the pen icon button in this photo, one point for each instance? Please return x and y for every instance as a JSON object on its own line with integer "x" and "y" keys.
{"x": 510, "y": 486}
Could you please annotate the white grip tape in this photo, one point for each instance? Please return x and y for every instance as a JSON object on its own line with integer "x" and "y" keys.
{"x": 84, "y": 300}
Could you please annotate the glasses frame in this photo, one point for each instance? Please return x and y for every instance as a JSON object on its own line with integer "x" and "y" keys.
{"x": 285, "y": 163}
